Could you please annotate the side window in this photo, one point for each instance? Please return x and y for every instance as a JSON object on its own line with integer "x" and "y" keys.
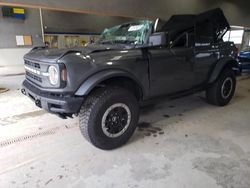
{"x": 180, "y": 41}
{"x": 185, "y": 40}
{"x": 204, "y": 32}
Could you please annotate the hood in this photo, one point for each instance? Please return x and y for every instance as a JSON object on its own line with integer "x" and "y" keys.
{"x": 43, "y": 54}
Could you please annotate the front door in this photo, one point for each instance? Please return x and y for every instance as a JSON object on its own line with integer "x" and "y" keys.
{"x": 171, "y": 69}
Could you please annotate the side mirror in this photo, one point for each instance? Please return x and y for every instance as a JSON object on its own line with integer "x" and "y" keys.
{"x": 158, "y": 39}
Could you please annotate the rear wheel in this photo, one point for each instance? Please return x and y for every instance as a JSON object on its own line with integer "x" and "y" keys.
{"x": 222, "y": 90}
{"x": 109, "y": 117}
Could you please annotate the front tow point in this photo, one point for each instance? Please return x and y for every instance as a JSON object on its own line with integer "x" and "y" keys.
{"x": 38, "y": 103}
{"x": 23, "y": 91}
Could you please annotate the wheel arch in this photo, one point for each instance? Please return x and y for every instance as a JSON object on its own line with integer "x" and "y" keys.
{"x": 111, "y": 77}
{"x": 220, "y": 66}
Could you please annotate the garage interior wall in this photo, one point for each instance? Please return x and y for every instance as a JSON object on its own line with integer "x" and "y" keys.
{"x": 10, "y": 54}
{"x": 246, "y": 38}
{"x": 52, "y": 21}
{"x": 78, "y": 23}
{"x": 84, "y": 26}
{"x": 236, "y": 12}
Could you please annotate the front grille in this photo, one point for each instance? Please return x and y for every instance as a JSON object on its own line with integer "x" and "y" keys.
{"x": 37, "y": 73}
{"x": 33, "y": 71}
{"x": 32, "y": 64}
{"x": 34, "y": 77}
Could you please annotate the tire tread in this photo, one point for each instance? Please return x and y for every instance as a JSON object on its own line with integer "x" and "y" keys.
{"x": 93, "y": 103}
{"x": 213, "y": 91}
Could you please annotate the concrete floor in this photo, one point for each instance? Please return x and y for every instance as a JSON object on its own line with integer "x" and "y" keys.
{"x": 180, "y": 143}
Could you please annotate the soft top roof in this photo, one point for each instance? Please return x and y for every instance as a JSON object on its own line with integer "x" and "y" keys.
{"x": 179, "y": 23}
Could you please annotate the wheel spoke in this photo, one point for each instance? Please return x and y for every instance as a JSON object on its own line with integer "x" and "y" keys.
{"x": 116, "y": 120}
{"x": 227, "y": 87}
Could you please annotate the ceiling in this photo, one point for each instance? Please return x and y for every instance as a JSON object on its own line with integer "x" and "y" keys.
{"x": 237, "y": 12}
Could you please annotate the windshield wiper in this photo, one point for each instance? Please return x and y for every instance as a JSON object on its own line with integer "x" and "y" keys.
{"x": 125, "y": 41}
{"x": 106, "y": 42}
{"x": 119, "y": 42}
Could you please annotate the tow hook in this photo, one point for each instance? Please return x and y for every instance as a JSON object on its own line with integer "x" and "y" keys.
{"x": 38, "y": 103}
{"x": 23, "y": 91}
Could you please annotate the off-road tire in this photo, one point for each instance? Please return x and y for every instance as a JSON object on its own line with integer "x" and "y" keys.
{"x": 93, "y": 110}
{"x": 214, "y": 91}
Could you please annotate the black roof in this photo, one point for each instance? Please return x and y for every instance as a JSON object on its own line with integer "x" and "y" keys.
{"x": 181, "y": 23}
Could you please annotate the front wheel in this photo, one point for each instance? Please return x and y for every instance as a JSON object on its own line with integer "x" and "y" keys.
{"x": 109, "y": 117}
{"x": 222, "y": 90}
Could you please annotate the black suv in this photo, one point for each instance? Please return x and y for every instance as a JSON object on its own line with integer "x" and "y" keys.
{"x": 106, "y": 82}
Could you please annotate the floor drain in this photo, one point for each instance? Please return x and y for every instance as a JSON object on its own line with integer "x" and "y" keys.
{"x": 35, "y": 135}
{"x": 27, "y": 137}
{"x": 2, "y": 90}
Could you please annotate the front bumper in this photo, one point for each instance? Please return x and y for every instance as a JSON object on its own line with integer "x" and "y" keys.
{"x": 51, "y": 102}
{"x": 245, "y": 67}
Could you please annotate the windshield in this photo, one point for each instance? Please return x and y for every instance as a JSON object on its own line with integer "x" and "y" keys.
{"x": 129, "y": 33}
{"x": 246, "y": 49}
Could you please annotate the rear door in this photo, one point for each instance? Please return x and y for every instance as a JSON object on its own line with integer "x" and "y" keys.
{"x": 206, "y": 51}
{"x": 205, "y": 59}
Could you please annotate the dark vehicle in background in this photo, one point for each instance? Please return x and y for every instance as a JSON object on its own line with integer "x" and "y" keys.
{"x": 244, "y": 60}
{"x": 105, "y": 83}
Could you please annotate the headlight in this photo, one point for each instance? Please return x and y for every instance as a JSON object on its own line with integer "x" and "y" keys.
{"x": 53, "y": 75}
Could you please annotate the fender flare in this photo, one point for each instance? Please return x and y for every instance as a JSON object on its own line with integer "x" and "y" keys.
{"x": 101, "y": 76}
{"x": 220, "y": 65}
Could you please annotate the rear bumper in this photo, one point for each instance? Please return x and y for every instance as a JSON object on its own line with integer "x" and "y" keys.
{"x": 54, "y": 103}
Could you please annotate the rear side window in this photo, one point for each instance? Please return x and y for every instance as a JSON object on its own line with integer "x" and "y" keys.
{"x": 204, "y": 32}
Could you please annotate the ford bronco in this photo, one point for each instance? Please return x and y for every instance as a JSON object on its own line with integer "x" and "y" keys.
{"x": 105, "y": 83}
